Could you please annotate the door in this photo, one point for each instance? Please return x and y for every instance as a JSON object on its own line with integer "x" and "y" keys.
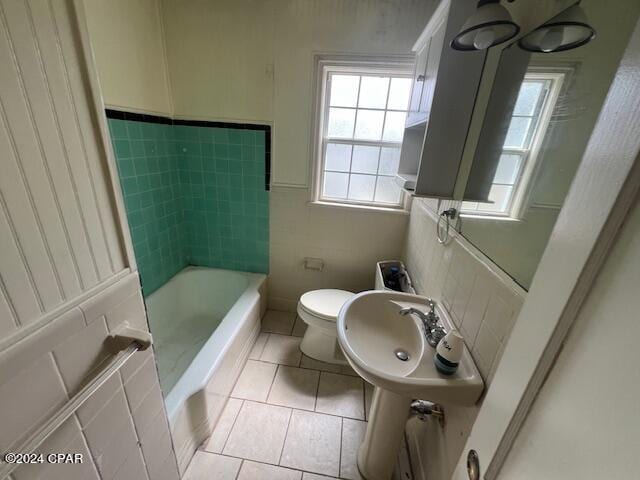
{"x": 600, "y": 197}
{"x": 67, "y": 274}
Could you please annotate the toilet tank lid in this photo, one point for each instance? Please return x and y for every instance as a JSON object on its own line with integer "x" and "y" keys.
{"x": 325, "y": 303}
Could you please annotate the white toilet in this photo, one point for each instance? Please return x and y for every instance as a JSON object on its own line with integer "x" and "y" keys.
{"x": 319, "y": 310}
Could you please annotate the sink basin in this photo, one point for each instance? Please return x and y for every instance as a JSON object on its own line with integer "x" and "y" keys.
{"x": 390, "y": 351}
{"x": 371, "y": 331}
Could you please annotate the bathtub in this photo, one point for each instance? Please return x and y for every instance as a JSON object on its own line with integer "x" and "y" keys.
{"x": 204, "y": 322}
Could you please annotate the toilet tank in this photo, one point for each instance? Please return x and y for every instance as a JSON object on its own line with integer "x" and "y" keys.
{"x": 385, "y": 272}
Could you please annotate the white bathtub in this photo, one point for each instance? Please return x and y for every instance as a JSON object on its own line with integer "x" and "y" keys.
{"x": 204, "y": 322}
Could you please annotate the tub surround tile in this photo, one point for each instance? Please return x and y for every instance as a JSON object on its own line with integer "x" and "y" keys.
{"x": 258, "y": 347}
{"x": 183, "y": 182}
{"x": 278, "y": 322}
{"x": 259, "y": 432}
{"x": 225, "y": 423}
{"x": 255, "y": 381}
{"x": 341, "y": 395}
{"x": 313, "y": 443}
{"x": 262, "y": 471}
{"x": 295, "y": 388}
{"x": 352, "y": 437}
{"x": 282, "y": 349}
{"x": 207, "y": 465}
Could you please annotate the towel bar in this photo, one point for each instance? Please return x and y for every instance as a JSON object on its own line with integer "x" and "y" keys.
{"x": 36, "y": 439}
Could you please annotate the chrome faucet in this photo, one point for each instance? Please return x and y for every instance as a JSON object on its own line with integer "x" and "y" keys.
{"x": 433, "y": 331}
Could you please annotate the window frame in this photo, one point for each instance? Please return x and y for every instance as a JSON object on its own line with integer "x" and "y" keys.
{"x": 530, "y": 157}
{"x": 397, "y": 66}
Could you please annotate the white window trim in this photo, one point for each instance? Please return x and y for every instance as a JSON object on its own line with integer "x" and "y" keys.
{"x": 524, "y": 185}
{"x": 395, "y": 65}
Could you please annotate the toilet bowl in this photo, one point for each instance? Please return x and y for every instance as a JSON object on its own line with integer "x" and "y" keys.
{"x": 319, "y": 310}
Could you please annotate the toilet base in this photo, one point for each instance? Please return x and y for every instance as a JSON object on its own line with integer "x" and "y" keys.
{"x": 323, "y": 346}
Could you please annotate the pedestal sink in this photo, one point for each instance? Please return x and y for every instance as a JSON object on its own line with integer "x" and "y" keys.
{"x": 389, "y": 350}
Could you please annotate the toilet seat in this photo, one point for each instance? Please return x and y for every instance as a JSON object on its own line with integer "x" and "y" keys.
{"x": 323, "y": 304}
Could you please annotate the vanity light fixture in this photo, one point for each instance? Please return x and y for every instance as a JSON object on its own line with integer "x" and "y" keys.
{"x": 490, "y": 25}
{"x": 565, "y": 31}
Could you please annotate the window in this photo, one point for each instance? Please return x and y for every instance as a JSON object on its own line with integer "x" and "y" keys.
{"x": 531, "y": 115}
{"x": 362, "y": 112}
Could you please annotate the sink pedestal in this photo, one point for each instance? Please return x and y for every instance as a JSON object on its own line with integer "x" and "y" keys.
{"x": 378, "y": 453}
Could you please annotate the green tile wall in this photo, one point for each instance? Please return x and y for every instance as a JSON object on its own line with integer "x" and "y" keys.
{"x": 194, "y": 196}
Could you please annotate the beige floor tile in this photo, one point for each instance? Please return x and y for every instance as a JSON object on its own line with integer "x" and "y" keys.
{"x": 258, "y": 433}
{"x": 282, "y": 349}
{"x": 368, "y": 398}
{"x": 219, "y": 436}
{"x": 313, "y": 476}
{"x": 205, "y": 466}
{"x": 258, "y": 347}
{"x": 294, "y": 387}
{"x": 313, "y": 443}
{"x": 308, "y": 362}
{"x": 254, "y": 381}
{"x": 347, "y": 370}
{"x": 352, "y": 436}
{"x": 261, "y": 471}
{"x": 341, "y": 395}
{"x": 278, "y": 322}
{"x": 299, "y": 327}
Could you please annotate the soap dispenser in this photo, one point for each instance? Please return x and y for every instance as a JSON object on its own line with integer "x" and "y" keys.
{"x": 448, "y": 353}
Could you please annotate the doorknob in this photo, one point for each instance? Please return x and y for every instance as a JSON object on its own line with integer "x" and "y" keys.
{"x": 473, "y": 465}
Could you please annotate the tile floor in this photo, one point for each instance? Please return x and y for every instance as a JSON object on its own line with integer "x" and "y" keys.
{"x": 289, "y": 417}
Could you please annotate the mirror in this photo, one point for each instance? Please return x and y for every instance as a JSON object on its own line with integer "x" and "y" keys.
{"x": 542, "y": 109}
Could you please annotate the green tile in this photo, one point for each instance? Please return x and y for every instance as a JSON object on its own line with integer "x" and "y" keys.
{"x": 193, "y": 195}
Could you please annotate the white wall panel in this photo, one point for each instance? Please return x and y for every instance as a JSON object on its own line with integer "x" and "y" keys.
{"x": 60, "y": 235}
{"x": 64, "y": 284}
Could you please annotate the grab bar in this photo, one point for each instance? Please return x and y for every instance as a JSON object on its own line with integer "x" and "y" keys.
{"x": 139, "y": 340}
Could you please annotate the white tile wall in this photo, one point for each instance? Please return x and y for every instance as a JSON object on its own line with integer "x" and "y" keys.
{"x": 349, "y": 241}
{"x": 482, "y": 301}
{"x": 122, "y": 429}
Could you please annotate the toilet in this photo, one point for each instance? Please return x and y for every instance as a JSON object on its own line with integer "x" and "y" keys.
{"x": 319, "y": 310}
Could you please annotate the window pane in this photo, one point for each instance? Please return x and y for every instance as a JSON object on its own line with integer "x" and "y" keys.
{"x": 394, "y": 126}
{"x": 387, "y": 190}
{"x": 365, "y": 159}
{"x": 361, "y": 187}
{"x": 338, "y": 157}
{"x": 528, "y": 98}
{"x": 373, "y": 92}
{"x": 389, "y": 161}
{"x": 469, "y": 206}
{"x": 518, "y": 132}
{"x": 341, "y": 122}
{"x": 500, "y": 196}
{"x": 399, "y": 93}
{"x": 508, "y": 169}
{"x": 369, "y": 125}
{"x": 335, "y": 185}
{"x": 344, "y": 90}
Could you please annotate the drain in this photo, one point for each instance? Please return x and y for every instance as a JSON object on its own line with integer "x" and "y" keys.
{"x": 401, "y": 355}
